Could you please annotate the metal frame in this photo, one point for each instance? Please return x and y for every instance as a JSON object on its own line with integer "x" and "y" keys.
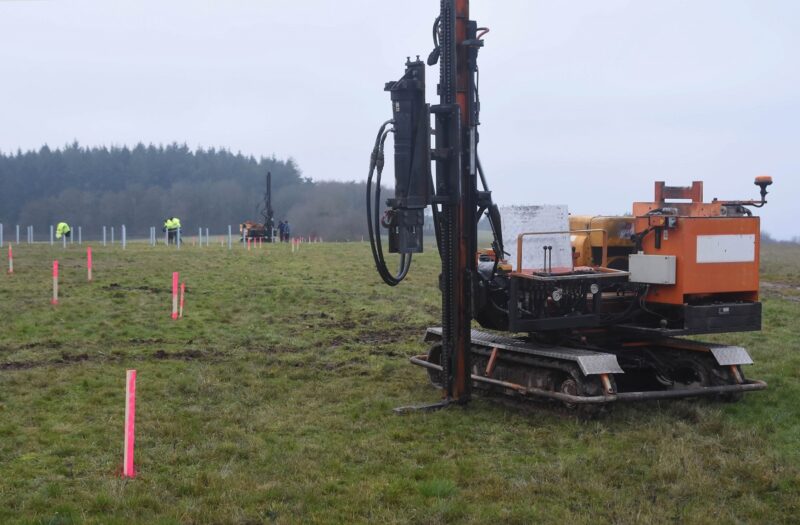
{"x": 520, "y": 237}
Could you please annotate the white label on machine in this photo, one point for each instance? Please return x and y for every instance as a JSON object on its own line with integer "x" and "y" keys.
{"x": 726, "y": 248}
{"x": 527, "y": 219}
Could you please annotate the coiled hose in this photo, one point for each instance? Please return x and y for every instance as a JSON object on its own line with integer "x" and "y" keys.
{"x": 376, "y": 164}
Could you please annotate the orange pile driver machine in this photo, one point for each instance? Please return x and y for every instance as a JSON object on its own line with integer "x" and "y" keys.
{"x": 585, "y": 336}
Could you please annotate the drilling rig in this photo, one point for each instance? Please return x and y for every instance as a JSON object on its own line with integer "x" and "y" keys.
{"x": 262, "y": 230}
{"x": 584, "y": 336}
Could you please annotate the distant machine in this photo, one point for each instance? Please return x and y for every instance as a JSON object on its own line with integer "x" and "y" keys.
{"x": 262, "y": 230}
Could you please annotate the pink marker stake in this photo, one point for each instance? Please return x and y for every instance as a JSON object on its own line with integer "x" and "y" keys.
{"x": 54, "y": 300}
{"x": 175, "y": 276}
{"x": 89, "y": 262}
{"x": 183, "y": 293}
{"x": 10, "y": 260}
{"x": 128, "y": 469}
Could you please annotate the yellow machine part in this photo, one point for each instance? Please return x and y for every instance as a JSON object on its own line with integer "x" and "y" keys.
{"x": 587, "y": 246}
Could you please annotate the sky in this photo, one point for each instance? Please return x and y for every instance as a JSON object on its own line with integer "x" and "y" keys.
{"x": 584, "y": 102}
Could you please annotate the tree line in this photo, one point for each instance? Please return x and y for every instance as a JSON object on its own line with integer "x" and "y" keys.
{"x": 141, "y": 186}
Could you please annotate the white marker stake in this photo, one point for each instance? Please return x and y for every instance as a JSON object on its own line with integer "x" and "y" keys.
{"x": 1, "y": 234}
{"x": 112, "y": 236}
{"x": 175, "y": 277}
{"x": 207, "y": 238}
{"x": 51, "y": 235}
{"x": 229, "y": 237}
{"x": 17, "y": 233}
{"x": 124, "y": 237}
{"x": 183, "y": 293}
{"x": 104, "y": 235}
{"x": 10, "y": 260}
{"x": 54, "y": 300}
{"x": 80, "y": 235}
{"x": 128, "y": 469}
{"x": 64, "y": 241}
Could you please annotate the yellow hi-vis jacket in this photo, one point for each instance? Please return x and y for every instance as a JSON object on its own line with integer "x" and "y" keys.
{"x": 62, "y": 229}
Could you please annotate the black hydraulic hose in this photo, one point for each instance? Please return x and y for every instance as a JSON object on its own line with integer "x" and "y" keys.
{"x": 480, "y": 172}
{"x": 405, "y": 259}
{"x": 493, "y": 214}
{"x": 373, "y": 218}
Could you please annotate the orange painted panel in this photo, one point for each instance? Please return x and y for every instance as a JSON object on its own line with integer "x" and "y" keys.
{"x": 694, "y": 278}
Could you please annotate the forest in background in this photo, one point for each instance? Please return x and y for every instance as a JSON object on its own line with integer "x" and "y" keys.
{"x": 141, "y": 186}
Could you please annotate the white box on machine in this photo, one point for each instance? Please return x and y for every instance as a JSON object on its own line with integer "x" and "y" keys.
{"x": 652, "y": 269}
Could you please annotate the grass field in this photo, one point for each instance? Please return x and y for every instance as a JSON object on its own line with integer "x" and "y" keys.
{"x": 271, "y": 402}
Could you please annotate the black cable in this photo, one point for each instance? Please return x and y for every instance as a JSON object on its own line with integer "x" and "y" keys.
{"x": 405, "y": 259}
{"x": 480, "y": 173}
{"x": 373, "y": 216}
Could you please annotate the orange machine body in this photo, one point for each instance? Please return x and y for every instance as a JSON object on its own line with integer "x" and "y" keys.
{"x": 716, "y": 255}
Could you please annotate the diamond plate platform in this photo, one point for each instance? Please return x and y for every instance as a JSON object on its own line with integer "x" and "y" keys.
{"x": 730, "y": 355}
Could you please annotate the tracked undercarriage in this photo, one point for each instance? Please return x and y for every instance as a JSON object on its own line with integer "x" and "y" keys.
{"x": 588, "y": 377}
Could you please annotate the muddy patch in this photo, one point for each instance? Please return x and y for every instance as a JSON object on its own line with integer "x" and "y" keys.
{"x": 64, "y": 359}
{"x": 149, "y": 289}
{"x": 145, "y": 341}
{"x": 189, "y": 354}
{"x": 786, "y": 291}
{"x": 396, "y": 335}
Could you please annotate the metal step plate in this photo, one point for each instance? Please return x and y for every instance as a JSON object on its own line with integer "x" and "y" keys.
{"x": 590, "y": 363}
{"x": 730, "y": 355}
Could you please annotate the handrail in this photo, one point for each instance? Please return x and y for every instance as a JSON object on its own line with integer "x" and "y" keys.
{"x": 603, "y": 262}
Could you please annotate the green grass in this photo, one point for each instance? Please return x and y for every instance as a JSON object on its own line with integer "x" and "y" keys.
{"x": 271, "y": 402}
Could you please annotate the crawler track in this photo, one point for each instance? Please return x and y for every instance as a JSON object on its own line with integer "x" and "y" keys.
{"x": 586, "y": 379}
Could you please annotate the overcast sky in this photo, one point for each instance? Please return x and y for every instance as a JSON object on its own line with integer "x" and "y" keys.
{"x": 584, "y": 102}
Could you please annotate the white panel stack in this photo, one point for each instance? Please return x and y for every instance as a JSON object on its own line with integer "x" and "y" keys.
{"x": 525, "y": 219}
